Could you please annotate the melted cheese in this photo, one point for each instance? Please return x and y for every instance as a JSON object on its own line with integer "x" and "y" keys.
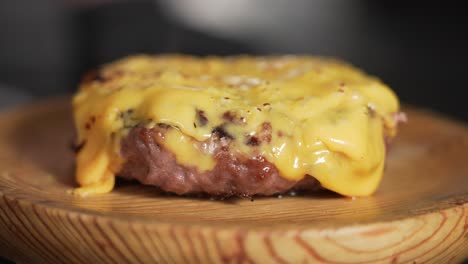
{"x": 327, "y": 118}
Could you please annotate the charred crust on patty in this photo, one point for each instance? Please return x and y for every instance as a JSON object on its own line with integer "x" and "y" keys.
{"x": 252, "y": 141}
{"x": 220, "y": 132}
{"x": 229, "y": 116}
{"x": 201, "y": 117}
{"x": 76, "y": 147}
{"x": 265, "y": 132}
{"x": 234, "y": 174}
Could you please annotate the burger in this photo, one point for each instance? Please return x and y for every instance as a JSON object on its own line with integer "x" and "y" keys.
{"x": 233, "y": 126}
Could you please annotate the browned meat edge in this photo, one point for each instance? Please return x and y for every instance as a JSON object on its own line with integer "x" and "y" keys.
{"x": 233, "y": 175}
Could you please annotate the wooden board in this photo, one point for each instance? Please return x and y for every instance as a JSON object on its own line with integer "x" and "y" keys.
{"x": 419, "y": 213}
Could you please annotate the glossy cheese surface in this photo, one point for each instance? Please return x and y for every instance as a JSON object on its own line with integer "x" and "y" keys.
{"x": 323, "y": 117}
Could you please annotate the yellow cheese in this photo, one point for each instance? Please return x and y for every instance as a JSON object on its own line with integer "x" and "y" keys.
{"x": 327, "y": 118}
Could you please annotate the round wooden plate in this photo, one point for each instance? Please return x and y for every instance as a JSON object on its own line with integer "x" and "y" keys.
{"x": 419, "y": 213}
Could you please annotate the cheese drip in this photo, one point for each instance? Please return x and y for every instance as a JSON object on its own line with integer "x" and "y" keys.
{"x": 305, "y": 115}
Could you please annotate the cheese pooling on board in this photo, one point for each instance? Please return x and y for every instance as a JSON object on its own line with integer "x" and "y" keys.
{"x": 326, "y": 118}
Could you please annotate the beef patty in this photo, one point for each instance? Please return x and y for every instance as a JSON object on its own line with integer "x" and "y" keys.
{"x": 234, "y": 174}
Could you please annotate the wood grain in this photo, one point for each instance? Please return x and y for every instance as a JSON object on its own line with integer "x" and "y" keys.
{"x": 418, "y": 215}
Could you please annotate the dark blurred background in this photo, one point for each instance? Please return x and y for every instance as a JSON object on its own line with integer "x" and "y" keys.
{"x": 418, "y": 48}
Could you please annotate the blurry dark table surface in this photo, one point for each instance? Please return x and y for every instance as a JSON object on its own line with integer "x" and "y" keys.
{"x": 421, "y": 51}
